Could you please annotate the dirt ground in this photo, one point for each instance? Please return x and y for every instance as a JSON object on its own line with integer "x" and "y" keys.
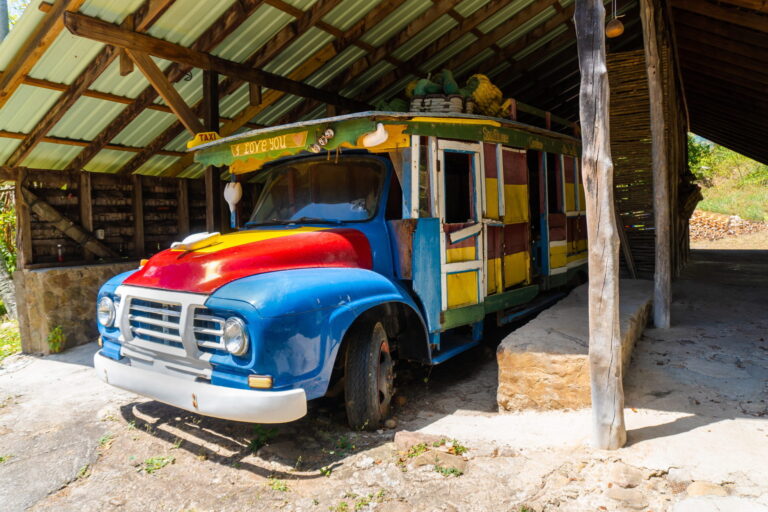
{"x": 696, "y": 415}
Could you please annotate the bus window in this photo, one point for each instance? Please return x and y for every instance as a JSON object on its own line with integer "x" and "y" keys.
{"x": 554, "y": 184}
{"x": 458, "y": 187}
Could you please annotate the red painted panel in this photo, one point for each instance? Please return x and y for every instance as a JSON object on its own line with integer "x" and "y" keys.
{"x": 557, "y": 223}
{"x": 489, "y": 156}
{"x": 515, "y": 168}
{"x": 204, "y": 272}
{"x": 467, "y": 242}
{"x": 495, "y": 242}
{"x": 516, "y": 238}
{"x": 570, "y": 174}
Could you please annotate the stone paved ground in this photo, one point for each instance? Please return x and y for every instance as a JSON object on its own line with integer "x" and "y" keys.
{"x": 696, "y": 413}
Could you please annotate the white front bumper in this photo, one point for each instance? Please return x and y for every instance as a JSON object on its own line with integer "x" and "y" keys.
{"x": 218, "y": 401}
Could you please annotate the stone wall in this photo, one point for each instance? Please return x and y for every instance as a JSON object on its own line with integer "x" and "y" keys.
{"x": 65, "y": 297}
{"x": 545, "y": 364}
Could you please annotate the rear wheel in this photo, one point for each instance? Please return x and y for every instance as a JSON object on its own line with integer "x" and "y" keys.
{"x": 369, "y": 376}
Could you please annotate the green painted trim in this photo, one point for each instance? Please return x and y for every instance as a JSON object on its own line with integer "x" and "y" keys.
{"x": 504, "y": 300}
{"x": 495, "y": 135}
{"x": 559, "y": 279}
{"x": 461, "y": 316}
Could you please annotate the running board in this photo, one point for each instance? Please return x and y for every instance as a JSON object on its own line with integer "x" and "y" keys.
{"x": 540, "y": 303}
{"x": 448, "y": 353}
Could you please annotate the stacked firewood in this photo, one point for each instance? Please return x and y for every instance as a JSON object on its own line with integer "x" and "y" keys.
{"x": 714, "y": 226}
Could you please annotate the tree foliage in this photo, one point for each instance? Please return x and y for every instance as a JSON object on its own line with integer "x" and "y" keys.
{"x": 15, "y": 10}
{"x": 713, "y": 164}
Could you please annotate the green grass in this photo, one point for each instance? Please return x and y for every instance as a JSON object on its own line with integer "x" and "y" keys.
{"x": 10, "y": 341}
{"x": 748, "y": 202}
{"x": 154, "y": 464}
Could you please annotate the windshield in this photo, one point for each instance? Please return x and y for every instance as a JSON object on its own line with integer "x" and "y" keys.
{"x": 320, "y": 191}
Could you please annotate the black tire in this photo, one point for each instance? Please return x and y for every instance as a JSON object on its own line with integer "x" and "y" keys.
{"x": 369, "y": 376}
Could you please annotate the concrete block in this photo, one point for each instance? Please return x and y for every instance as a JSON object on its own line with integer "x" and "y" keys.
{"x": 544, "y": 364}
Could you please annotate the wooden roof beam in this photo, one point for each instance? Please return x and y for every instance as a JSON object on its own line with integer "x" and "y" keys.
{"x": 705, "y": 27}
{"x": 98, "y": 30}
{"x": 34, "y": 47}
{"x": 261, "y": 57}
{"x": 757, "y": 5}
{"x": 228, "y": 21}
{"x": 735, "y": 16}
{"x": 82, "y": 143}
{"x": 310, "y": 66}
{"x": 143, "y": 18}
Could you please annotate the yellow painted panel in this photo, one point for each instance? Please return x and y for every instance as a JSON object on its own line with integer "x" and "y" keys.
{"x": 460, "y": 254}
{"x": 582, "y": 199}
{"x": 577, "y": 256}
{"x": 492, "y": 198}
{"x": 577, "y": 246}
{"x": 493, "y": 279}
{"x": 462, "y": 289}
{"x": 570, "y": 197}
{"x": 515, "y": 204}
{"x": 253, "y": 235}
{"x": 516, "y": 268}
{"x": 557, "y": 256}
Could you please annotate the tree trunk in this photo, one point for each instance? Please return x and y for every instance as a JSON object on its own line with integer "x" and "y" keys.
{"x": 604, "y": 339}
{"x": 662, "y": 277}
{"x": 7, "y": 292}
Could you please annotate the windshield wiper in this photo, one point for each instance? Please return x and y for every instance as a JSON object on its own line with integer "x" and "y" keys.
{"x": 300, "y": 220}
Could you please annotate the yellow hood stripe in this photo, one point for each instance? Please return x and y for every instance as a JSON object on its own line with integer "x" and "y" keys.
{"x": 257, "y": 235}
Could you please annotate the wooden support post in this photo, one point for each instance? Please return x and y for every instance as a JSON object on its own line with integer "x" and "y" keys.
{"x": 604, "y": 336}
{"x": 183, "y": 208}
{"x": 86, "y": 209}
{"x": 138, "y": 216}
{"x": 23, "y": 223}
{"x": 662, "y": 277}
{"x": 213, "y": 190}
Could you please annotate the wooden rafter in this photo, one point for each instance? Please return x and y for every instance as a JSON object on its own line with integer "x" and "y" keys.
{"x": 98, "y": 30}
{"x": 83, "y": 143}
{"x": 735, "y": 16}
{"x": 165, "y": 89}
{"x": 149, "y": 12}
{"x": 228, "y": 21}
{"x": 757, "y": 5}
{"x": 34, "y": 47}
{"x": 469, "y": 24}
{"x": 359, "y": 67}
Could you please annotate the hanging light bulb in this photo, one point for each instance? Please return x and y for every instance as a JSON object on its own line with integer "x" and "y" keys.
{"x": 615, "y": 27}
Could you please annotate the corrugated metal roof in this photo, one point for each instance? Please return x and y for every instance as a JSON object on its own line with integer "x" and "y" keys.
{"x": 184, "y": 22}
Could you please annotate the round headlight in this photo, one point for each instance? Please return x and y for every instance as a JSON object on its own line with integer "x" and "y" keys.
{"x": 235, "y": 336}
{"x": 105, "y": 311}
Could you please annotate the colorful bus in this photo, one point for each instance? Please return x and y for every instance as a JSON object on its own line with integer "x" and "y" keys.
{"x": 372, "y": 237}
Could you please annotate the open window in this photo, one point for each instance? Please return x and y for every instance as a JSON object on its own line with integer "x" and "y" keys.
{"x": 459, "y": 187}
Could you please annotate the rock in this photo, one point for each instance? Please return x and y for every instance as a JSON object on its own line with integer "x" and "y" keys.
{"x": 704, "y": 488}
{"x": 719, "y": 504}
{"x": 365, "y": 463}
{"x": 624, "y": 475}
{"x": 405, "y": 440}
{"x": 391, "y": 423}
{"x": 629, "y": 498}
{"x": 401, "y": 400}
{"x": 394, "y": 506}
{"x": 442, "y": 459}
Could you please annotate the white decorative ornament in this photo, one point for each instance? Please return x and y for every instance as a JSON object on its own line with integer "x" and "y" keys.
{"x": 372, "y": 139}
{"x": 233, "y": 192}
{"x": 197, "y": 241}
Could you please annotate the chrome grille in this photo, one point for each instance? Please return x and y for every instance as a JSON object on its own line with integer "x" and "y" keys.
{"x": 208, "y": 329}
{"x": 159, "y": 322}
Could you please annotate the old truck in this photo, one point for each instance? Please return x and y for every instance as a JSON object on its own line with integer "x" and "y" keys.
{"x": 373, "y": 237}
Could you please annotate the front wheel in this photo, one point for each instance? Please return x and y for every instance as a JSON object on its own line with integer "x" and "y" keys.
{"x": 369, "y": 376}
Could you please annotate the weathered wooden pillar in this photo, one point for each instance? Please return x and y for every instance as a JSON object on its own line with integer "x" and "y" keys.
{"x": 604, "y": 339}
{"x": 213, "y": 190}
{"x": 662, "y": 277}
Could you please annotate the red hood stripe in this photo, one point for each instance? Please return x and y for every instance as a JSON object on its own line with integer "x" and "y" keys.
{"x": 204, "y": 272}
